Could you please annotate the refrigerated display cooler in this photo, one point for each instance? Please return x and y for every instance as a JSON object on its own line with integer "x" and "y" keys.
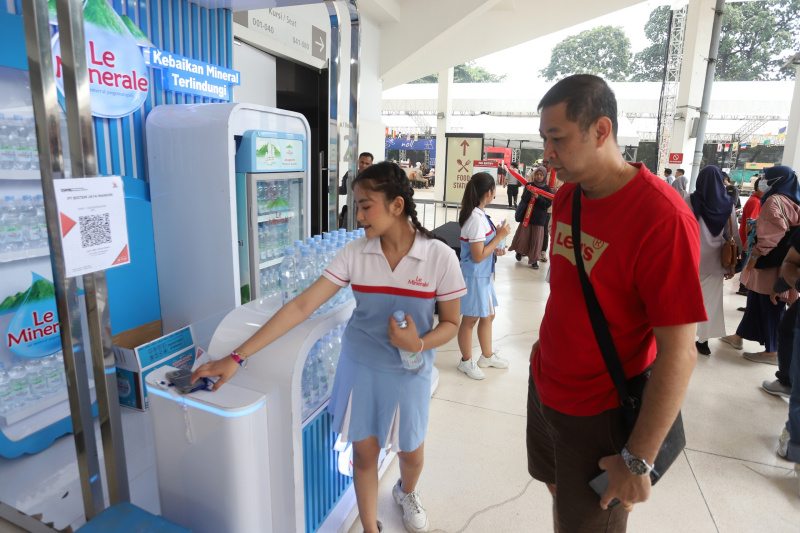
{"x": 227, "y": 181}
{"x": 270, "y": 188}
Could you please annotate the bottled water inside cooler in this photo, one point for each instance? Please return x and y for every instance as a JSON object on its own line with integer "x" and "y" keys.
{"x": 22, "y": 152}
{"x": 288, "y": 276}
{"x": 53, "y": 374}
{"x": 9, "y": 219}
{"x": 41, "y": 221}
{"x": 316, "y": 395}
{"x": 322, "y": 372}
{"x": 28, "y": 223}
{"x": 328, "y": 358}
{"x": 19, "y": 382}
{"x": 36, "y": 379}
{"x": 6, "y": 144}
{"x": 33, "y": 144}
{"x": 6, "y": 392}
{"x": 305, "y": 387}
{"x": 262, "y": 244}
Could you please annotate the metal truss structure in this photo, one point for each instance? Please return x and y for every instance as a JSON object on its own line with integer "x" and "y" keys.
{"x": 669, "y": 87}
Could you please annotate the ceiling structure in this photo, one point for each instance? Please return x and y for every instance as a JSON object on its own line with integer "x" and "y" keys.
{"x": 507, "y": 112}
{"x": 421, "y": 37}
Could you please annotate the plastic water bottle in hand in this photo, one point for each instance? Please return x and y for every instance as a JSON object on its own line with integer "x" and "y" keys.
{"x": 411, "y": 361}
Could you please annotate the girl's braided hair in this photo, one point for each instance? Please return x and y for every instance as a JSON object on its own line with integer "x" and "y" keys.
{"x": 391, "y": 180}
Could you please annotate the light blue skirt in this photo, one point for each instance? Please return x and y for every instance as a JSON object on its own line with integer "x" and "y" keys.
{"x": 480, "y": 299}
{"x": 391, "y": 406}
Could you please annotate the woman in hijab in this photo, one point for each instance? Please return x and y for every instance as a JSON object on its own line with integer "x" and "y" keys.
{"x": 529, "y": 241}
{"x": 780, "y": 209}
{"x": 716, "y": 217}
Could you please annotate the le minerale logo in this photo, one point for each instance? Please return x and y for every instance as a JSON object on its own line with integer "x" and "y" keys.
{"x": 34, "y": 330}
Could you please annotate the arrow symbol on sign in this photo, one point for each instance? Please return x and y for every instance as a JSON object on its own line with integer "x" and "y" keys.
{"x": 321, "y": 44}
{"x": 465, "y": 144}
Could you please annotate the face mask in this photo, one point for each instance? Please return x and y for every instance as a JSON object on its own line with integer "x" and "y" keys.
{"x": 763, "y": 186}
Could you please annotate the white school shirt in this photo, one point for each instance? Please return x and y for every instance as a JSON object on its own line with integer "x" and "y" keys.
{"x": 429, "y": 272}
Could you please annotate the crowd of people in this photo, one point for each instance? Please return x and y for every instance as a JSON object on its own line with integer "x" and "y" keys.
{"x": 637, "y": 265}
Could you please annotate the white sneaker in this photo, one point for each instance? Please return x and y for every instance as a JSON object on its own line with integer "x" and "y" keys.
{"x": 470, "y": 368}
{"x": 414, "y": 516}
{"x": 495, "y": 361}
{"x": 783, "y": 443}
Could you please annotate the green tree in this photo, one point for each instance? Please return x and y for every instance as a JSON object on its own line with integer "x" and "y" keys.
{"x": 469, "y": 72}
{"x": 648, "y": 65}
{"x": 757, "y": 38}
{"x": 603, "y": 51}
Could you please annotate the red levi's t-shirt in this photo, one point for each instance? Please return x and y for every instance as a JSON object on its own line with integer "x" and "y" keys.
{"x": 641, "y": 251}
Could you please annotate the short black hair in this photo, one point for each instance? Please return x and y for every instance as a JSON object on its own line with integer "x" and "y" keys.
{"x": 366, "y": 154}
{"x": 514, "y": 164}
{"x": 668, "y": 172}
{"x": 681, "y": 171}
{"x": 588, "y": 98}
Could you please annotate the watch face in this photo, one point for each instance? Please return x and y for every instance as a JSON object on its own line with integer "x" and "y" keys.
{"x": 638, "y": 467}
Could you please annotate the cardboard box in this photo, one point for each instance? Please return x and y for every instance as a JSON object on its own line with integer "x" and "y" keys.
{"x": 139, "y": 351}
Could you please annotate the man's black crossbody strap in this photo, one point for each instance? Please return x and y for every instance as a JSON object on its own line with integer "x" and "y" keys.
{"x": 596, "y": 315}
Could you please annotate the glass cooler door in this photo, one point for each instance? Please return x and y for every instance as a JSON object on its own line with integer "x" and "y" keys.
{"x": 275, "y": 220}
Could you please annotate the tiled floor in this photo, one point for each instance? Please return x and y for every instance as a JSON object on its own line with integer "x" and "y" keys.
{"x": 475, "y": 478}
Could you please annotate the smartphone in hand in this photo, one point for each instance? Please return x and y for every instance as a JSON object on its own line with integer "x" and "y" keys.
{"x": 182, "y": 380}
{"x": 599, "y": 484}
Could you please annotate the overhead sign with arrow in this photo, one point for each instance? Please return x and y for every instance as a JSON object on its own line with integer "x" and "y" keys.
{"x": 463, "y": 151}
{"x": 284, "y": 26}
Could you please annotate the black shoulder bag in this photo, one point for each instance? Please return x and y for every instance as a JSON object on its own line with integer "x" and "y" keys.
{"x": 630, "y": 391}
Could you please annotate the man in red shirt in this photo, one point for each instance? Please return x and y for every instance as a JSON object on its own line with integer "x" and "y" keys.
{"x": 641, "y": 250}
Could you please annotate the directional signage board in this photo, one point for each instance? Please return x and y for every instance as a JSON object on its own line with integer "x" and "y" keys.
{"x": 283, "y": 26}
{"x": 463, "y": 151}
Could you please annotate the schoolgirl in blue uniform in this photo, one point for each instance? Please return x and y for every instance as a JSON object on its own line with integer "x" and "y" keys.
{"x": 375, "y": 402}
{"x": 479, "y": 240}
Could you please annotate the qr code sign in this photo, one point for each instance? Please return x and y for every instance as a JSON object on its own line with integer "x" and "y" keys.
{"x": 95, "y": 230}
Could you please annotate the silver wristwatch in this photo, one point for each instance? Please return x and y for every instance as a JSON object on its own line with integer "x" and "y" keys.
{"x": 636, "y": 465}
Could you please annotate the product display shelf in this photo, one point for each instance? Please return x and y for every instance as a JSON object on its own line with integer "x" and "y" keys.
{"x": 13, "y": 174}
{"x": 270, "y": 263}
{"x": 276, "y": 216}
{"x": 28, "y": 253}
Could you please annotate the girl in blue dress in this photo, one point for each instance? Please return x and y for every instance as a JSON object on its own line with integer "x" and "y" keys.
{"x": 375, "y": 402}
{"x": 479, "y": 240}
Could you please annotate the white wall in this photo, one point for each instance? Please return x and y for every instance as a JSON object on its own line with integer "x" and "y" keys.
{"x": 371, "y": 132}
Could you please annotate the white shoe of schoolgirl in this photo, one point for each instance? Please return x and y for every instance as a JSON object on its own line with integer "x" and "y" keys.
{"x": 495, "y": 361}
{"x": 414, "y": 516}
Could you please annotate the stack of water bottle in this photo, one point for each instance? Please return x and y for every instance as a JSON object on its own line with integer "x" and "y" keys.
{"x": 319, "y": 370}
{"x": 271, "y": 281}
{"x": 26, "y": 383}
{"x": 22, "y": 226}
{"x": 272, "y": 240}
{"x": 18, "y": 147}
{"x": 303, "y": 263}
{"x": 273, "y": 197}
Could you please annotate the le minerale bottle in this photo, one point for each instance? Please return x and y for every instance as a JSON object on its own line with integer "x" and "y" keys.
{"x": 412, "y": 362}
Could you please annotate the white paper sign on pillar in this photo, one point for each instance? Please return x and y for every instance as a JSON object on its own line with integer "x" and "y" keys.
{"x": 92, "y": 224}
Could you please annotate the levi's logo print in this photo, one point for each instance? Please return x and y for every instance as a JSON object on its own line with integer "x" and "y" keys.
{"x": 591, "y": 248}
{"x": 417, "y": 282}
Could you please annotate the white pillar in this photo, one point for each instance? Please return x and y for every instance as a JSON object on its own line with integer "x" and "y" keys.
{"x": 791, "y": 149}
{"x": 444, "y": 110}
{"x": 697, "y": 41}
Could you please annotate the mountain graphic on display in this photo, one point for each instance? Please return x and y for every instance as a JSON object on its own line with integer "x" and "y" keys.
{"x": 141, "y": 38}
{"x": 41, "y": 289}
